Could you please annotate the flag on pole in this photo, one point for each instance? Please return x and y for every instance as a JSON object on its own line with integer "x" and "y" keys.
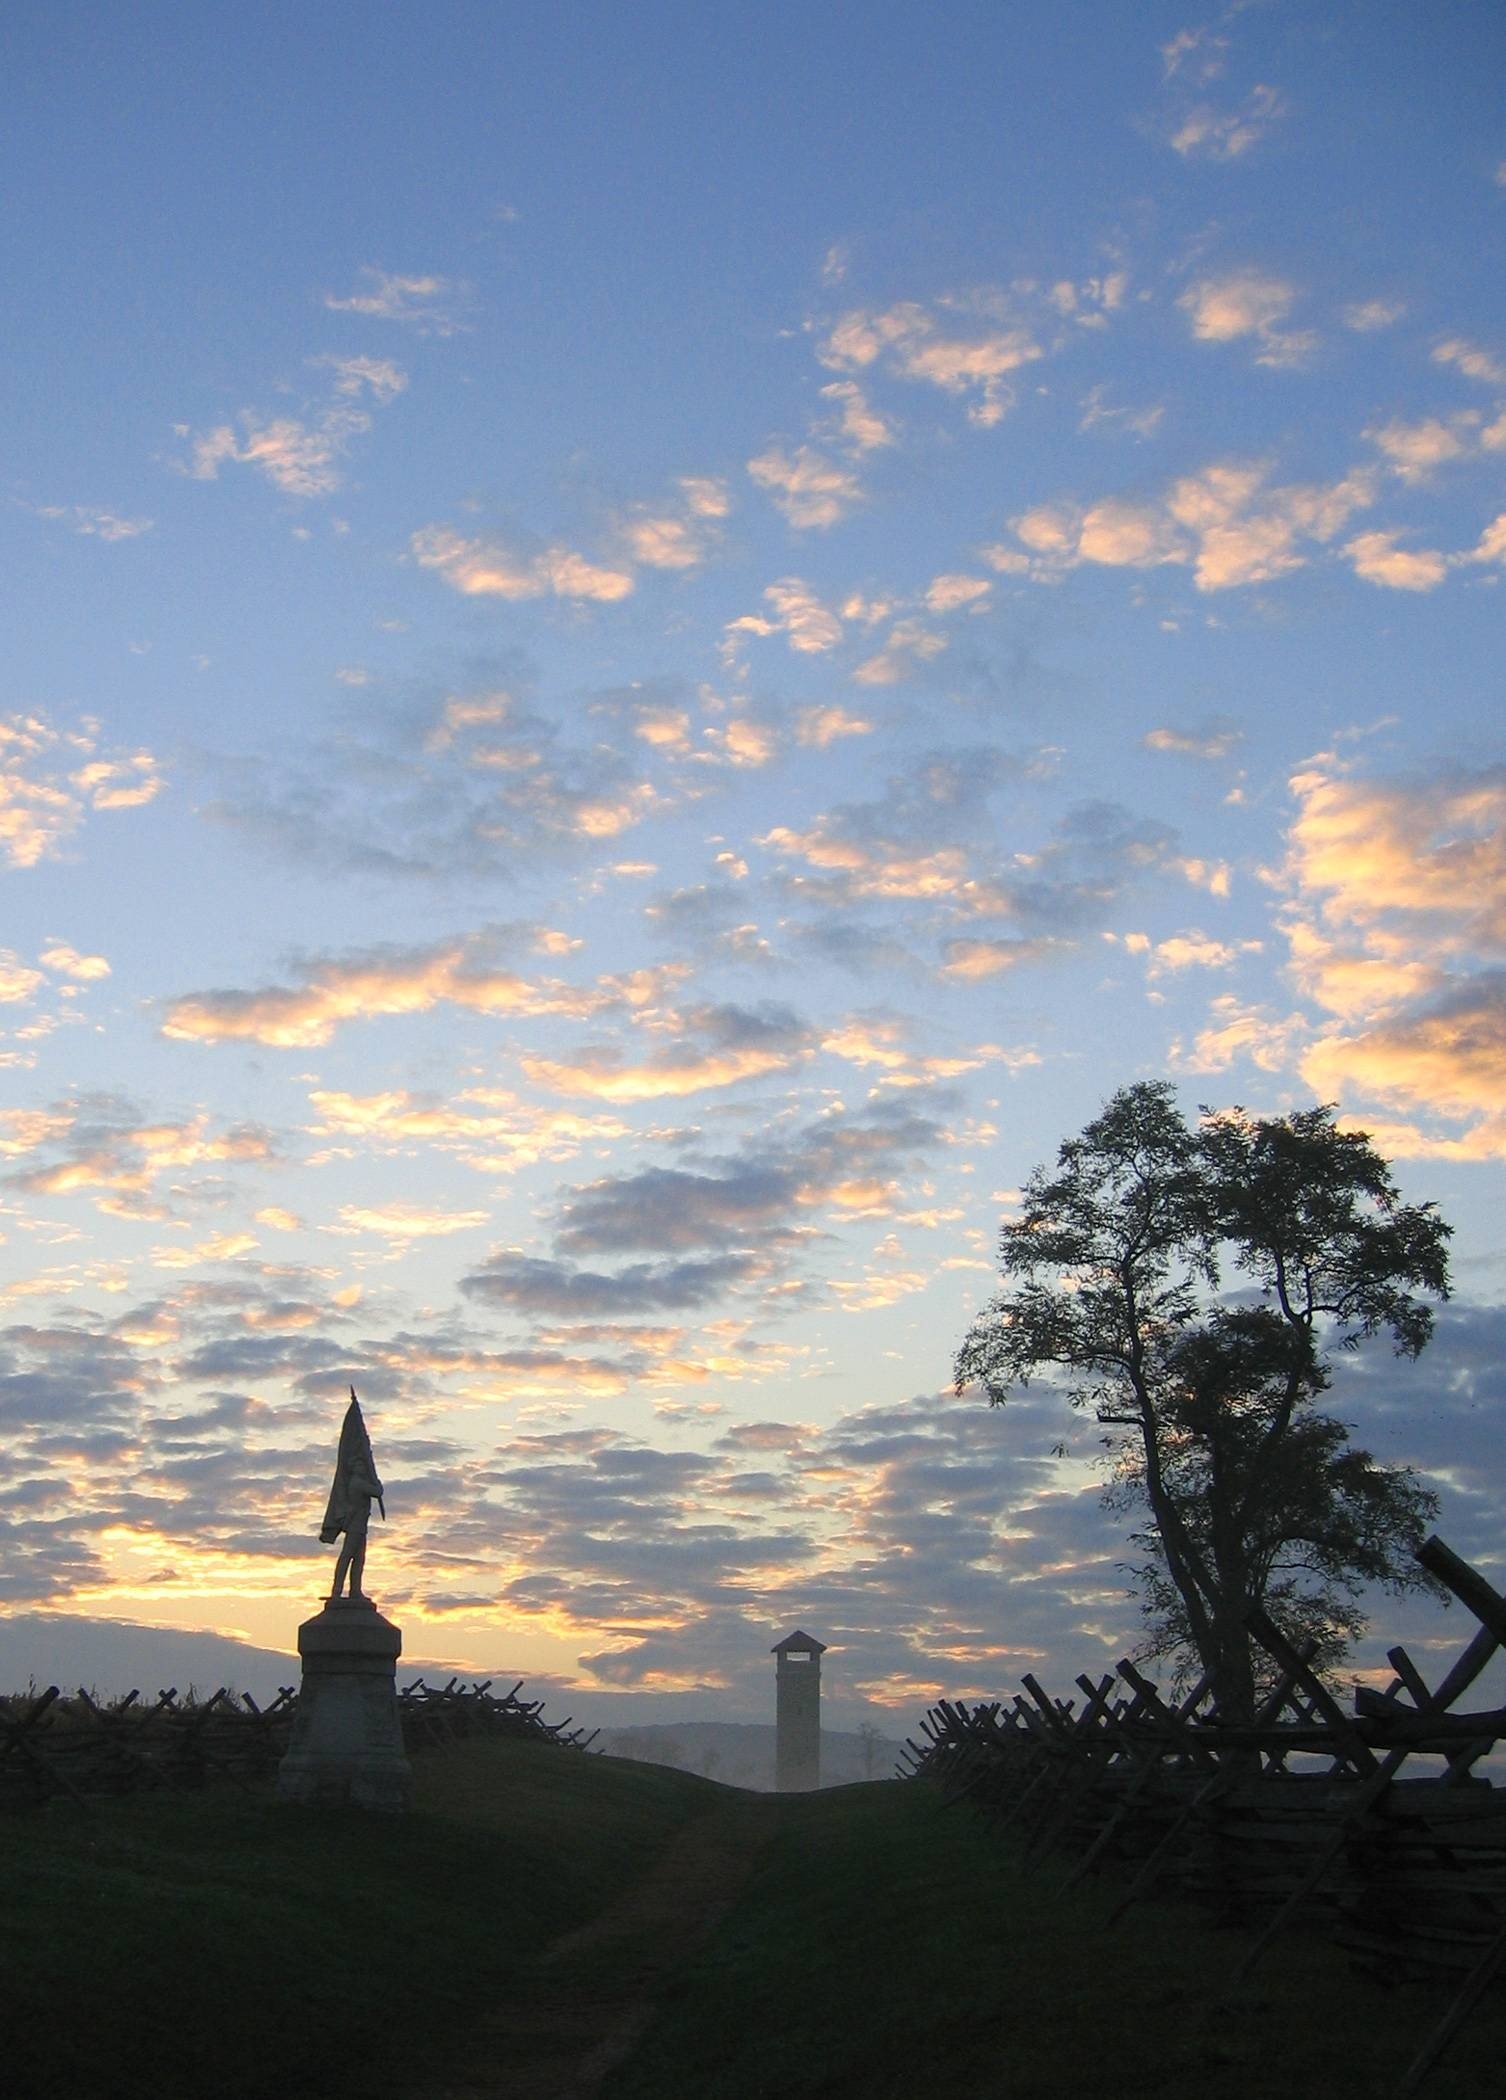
{"x": 354, "y": 1457}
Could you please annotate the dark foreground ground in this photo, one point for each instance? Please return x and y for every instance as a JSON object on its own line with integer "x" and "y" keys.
{"x": 553, "y": 1925}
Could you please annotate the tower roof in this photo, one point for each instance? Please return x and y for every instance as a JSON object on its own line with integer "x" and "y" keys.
{"x": 797, "y": 1639}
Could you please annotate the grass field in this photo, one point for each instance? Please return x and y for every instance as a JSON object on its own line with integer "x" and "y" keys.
{"x": 546, "y": 1922}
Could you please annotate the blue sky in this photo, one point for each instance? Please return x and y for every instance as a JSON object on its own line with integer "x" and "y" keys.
{"x": 650, "y": 649}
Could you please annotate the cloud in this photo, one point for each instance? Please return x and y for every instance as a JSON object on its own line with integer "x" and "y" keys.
{"x": 680, "y": 537}
{"x": 94, "y": 523}
{"x": 1473, "y": 362}
{"x": 1445, "y": 1057}
{"x": 858, "y": 425}
{"x": 386, "y": 980}
{"x": 1207, "y": 133}
{"x": 407, "y": 1221}
{"x": 481, "y": 568}
{"x": 546, "y": 1289}
{"x": 302, "y": 455}
{"x": 1378, "y": 559}
{"x": 1200, "y": 54}
{"x": 50, "y": 778}
{"x": 1215, "y": 739}
{"x": 1243, "y": 303}
{"x": 1367, "y": 316}
{"x": 474, "y": 782}
{"x": 909, "y": 340}
{"x": 431, "y": 305}
{"x": 819, "y": 727}
{"x": 764, "y": 1197}
{"x": 1099, "y": 414}
{"x": 908, "y": 644}
{"x": 101, "y": 1141}
{"x": 17, "y": 982}
{"x": 813, "y": 626}
{"x": 1492, "y": 543}
{"x": 973, "y": 960}
{"x": 929, "y": 852}
{"x": 810, "y": 626}
{"x": 1236, "y": 1030}
{"x": 1415, "y": 451}
{"x": 378, "y": 376}
{"x": 953, "y": 593}
{"x": 1225, "y": 520}
{"x": 715, "y": 1046}
{"x": 1397, "y": 929}
{"x": 807, "y": 487}
{"x": 488, "y": 1128}
{"x": 1193, "y": 950}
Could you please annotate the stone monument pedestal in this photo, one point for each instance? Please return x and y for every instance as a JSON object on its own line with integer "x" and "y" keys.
{"x": 347, "y": 1743}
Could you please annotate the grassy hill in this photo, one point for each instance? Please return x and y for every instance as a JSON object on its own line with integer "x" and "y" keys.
{"x": 546, "y": 1922}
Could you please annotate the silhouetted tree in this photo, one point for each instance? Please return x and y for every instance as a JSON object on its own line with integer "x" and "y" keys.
{"x": 1253, "y": 1495}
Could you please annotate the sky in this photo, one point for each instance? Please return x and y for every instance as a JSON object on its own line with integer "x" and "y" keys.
{"x": 649, "y": 648}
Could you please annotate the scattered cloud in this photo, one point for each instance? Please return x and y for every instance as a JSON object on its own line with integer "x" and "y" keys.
{"x": 102, "y": 1142}
{"x": 484, "y": 569}
{"x": 819, "y": 727}
{"x": 64, "y": 960}
{"x": 1098, "y": 413}
{"x": 917, "y": 343}
{"x": 407, "y": 1221}
{"x": 1415, "y": 451}
{"x": 857, "y": 424}
{"x": 1247, "y": 303}
{"x": 1226, "y": 521}
{"x": 1397, "y": 930}
{"x": 947, "y": 594}
{"x": 1378, "y": 559}
{"x": 1207, "y": 133}
{"x": 1217, "y": 738}
{"x": 1369, "y": 316}
{"x": 1200, "y": 55}
{"x": 794, "y": 610}
{"x": 681, "y": 535}
{"x": 714, "y": 1047}
{"x": 1473, "y": 362}
{"x": 333, "y": 990}
{"x": 51, "y": 778}
{"x": 431, "y": 305}
{"x": 94, "y": 523}
{"x": 378, "y": 376}
{"x": 489, "y": 1128}
{"x": 808, "y": 487}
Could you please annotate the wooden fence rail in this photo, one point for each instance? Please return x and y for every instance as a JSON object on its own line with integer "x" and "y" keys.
{"x": 1312, "y": 1813}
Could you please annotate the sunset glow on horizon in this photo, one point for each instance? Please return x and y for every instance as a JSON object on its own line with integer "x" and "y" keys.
{"x": 651, "y": 648}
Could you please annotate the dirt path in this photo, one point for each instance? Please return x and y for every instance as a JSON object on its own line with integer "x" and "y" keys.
{"x": 580, "y": 2010}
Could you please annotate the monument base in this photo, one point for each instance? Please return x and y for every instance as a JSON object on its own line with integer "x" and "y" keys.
{"x": 347, "y": 1743}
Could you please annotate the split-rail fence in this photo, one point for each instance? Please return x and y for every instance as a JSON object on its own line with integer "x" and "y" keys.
{"x": 1315, "y": 1812}
{"x": 81, "y": 1747}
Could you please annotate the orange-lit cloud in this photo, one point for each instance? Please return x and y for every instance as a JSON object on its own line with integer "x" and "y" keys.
{"x": 1397, "y": 928}
{"x": 910, "y": 340}
{"x": 807, "y": 486}
{"x": 481, "y": 569}
{"x": 1246, "y": 303}
{"x": 50, "y": 778}
{"x": 489, "y": 1128}
{"x": 736, "y": 1044}
{"x": 384, "y": 981}
{"x": 1226, "y": 521}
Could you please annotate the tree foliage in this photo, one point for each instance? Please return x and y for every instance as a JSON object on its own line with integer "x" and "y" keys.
{"x": 1192, "y": 1285}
